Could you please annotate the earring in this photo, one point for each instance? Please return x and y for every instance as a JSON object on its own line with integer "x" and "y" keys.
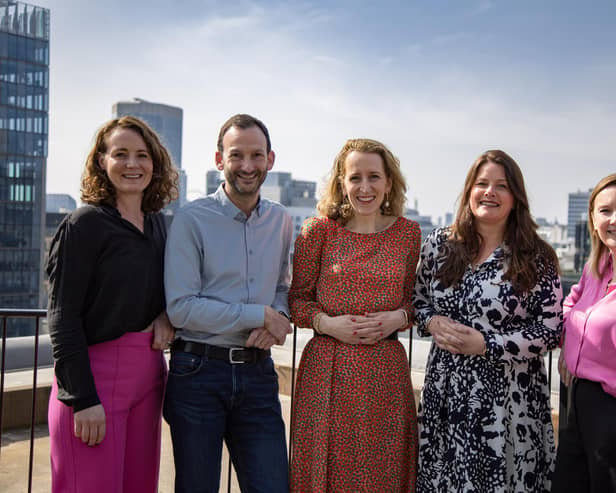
{"x": 386, "y": 207}
{"x": 345, "y": 210}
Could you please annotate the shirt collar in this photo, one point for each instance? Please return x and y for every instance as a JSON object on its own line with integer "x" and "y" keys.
{"x": 110, "y": 209}
{"x": 231, "y": 210}
{"x": 113, "y": 211}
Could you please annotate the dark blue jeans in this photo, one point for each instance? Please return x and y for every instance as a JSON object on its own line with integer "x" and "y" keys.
{"x": 208, "y": 401}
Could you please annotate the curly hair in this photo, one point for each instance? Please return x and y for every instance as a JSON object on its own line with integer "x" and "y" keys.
{"x": 598, "y": 250}
{"x": 332, "y": 203}
{"x": 96, "y": 188}
{"x": 526, "y": 250}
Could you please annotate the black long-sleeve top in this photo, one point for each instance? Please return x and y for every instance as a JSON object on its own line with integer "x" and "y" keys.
{"x": 105, "y": 279}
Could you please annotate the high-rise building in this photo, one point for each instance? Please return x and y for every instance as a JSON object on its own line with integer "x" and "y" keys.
{"x": 556, "y": 235}
{"x": 278, "y": 185}
{"x": 299, "y": 214}
{"x": 24, "y": 103}
{"x": 425, "y": 222}
{"x": 167, "y": 123}
{"x": 281, "y": 187}
{"x": 60, "y": 203}
{"x": 213, "y": 178}
{"x": 577, "y": 210}
{"x": 582, "y": 244}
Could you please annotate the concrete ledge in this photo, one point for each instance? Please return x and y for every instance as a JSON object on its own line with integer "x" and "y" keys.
{"x": 17, "y": 406}
{"x": 17, "y": 396}
{"x": 284, "y": 378}
{"x": 19, "y": 352}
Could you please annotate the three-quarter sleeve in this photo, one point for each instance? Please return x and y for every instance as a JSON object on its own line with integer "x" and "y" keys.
{"x": 72, "y": 258}
{"x": 306, "y": 271}
{"x": 410, "y": 273}
{"x": 426, "y": 272}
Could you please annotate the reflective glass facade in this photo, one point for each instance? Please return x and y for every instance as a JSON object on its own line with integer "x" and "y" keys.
{"x": 577, "y": 210}
{"x": 24, "y": 104}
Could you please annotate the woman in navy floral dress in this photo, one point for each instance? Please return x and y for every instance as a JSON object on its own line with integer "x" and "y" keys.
{"x": 488, "y": 292}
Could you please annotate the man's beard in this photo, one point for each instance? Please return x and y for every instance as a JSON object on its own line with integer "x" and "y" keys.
{"x": 243, "y": 189}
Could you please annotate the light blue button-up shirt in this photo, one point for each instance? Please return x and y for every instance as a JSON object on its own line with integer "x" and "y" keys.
{"x": 222, "y": 268}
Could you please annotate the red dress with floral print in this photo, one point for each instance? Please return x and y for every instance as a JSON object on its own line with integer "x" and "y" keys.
{"x": 354, "y": 423}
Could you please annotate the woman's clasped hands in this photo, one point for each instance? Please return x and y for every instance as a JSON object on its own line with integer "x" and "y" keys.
{"x": 455, "y": 337}
{"x": 368, "y": 328}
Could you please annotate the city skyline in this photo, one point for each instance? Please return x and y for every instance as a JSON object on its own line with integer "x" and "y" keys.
{"x": 438, "y": 83}
{"x": 24, "y": 91}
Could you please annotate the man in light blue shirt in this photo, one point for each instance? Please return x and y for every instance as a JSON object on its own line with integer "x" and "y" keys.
{"x": 226, "y": 283}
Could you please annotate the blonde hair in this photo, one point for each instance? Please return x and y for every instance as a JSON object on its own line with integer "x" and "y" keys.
{"x": 598, "y": 250}
{"x": 96, "y": 188}
{"x": 332, "y": 203}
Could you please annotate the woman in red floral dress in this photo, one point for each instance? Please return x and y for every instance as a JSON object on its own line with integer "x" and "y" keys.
{"x": 354, "y": 425}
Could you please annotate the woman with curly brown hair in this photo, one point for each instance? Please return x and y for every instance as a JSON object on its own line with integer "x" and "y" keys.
{"x": 489, "y": 293}
{"x": 354, "y": 425}
{"x": 107, "y": 318}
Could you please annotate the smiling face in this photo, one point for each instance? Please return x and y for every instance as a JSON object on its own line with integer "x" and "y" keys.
{"x": 490, "y": 198}
{"x": 244, "y": 161}
{"x": 604, "y": 217}
{"x": 127, "y": 162}
{"x": 365, "y": 182}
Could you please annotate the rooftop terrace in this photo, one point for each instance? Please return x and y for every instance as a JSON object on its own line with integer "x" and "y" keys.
{"x": 20, "y": 440}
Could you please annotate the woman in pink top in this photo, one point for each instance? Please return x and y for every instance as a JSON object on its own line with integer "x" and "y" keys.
{"x": 586, "y": 459}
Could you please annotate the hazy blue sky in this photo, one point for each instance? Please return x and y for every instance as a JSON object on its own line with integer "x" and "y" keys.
{"x": 438, "y": 82}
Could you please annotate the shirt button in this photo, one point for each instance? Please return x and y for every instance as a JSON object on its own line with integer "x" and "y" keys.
{"x": 252, "y": 279}
{"x": 249, "y": 252}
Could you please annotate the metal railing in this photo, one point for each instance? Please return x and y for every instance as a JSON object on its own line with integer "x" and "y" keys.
{"x": 38, "y": 315}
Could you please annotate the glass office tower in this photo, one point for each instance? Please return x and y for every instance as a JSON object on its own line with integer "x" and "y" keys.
{"x": 577, "y": 210}
{"x": 24, "y": 103}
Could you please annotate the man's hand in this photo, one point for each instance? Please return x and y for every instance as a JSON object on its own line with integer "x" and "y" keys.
{"x": 276, "y": 324}
{"x": 260, "y": 338}
{"x": 90, "y": 425}
{"x": 164, "y": 332}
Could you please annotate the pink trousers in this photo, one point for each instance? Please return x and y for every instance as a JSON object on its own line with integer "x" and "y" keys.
{"x": 130, "y": 381}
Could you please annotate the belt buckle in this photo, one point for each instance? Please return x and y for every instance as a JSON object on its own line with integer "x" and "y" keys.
{"x": 231, "y": 351}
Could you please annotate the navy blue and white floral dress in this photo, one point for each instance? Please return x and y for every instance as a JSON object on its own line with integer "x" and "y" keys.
{"x": 485, "y": 421}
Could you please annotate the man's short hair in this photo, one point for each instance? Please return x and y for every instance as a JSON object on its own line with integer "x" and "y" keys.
{"x": 243, "y": 121}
